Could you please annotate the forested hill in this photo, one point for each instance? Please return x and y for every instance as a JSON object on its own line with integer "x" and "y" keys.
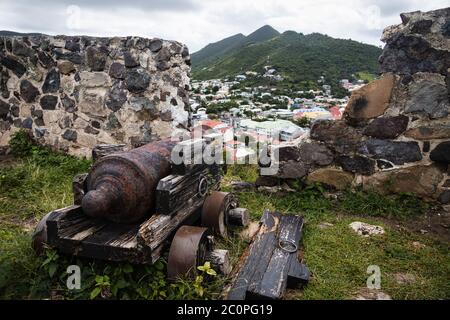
{"x": 296, "y": 56}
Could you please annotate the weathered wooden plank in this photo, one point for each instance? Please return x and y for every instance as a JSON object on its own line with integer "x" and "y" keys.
{"x": 270, "y": 261}
{"x": 175, "y": 190}
{"x": 246, "y": 269}
{"x": 273, "y": 283}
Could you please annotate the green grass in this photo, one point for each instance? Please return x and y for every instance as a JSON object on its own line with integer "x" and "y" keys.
{"x": 338, "y": 259}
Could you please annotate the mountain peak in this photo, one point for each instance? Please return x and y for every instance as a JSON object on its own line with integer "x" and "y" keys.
{"x": 262, "y": 34}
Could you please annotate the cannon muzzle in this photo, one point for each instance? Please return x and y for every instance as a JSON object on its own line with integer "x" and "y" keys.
{"x": 121, "y": 187}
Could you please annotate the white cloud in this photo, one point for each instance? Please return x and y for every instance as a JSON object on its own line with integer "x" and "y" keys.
{"x": 199, "y": 22}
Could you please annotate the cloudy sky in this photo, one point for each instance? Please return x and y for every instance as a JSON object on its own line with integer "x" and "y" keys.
{"x": 199, "y": 22}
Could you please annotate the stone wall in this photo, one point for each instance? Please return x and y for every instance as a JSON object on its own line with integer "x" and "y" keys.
{"x": 395, "y": 135}
{"x": 76, "y": 92}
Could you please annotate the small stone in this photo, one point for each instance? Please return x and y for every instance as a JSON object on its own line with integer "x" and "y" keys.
{"x": 27, "y": 123}
{"x": 444, "y": 197}
{"x": 45, "y": 59}
{"x": 365, "y": 229}
{"x": 429, "y": 132}
{"x": 155, "y": 45}
{"x": 65, "y": 122}
{"x": 68, "y": 104}
{"x": 387, "y": 127}
{"x": 14, "y": 65}
{"x": 95, "y": 58}
{"x": 73, "y": 45}
{"x": 173, "y": 102}
{"x": 137, "y": 80}
{"x": 418, "y": 245}
{"x": 52, "y": 82}
{"x": 162, "y": 65}
{"x": 166, "y": 115}
{"x": 66, "y": 67}
{"x": 267, "y": 181}
{"x": 396, "y": 152}
{"x": 28, "y": 92}
{"x": 91, "y": 130}
{"x": 250, "y": 231}
{"x": 419, "y": 180}
{"x": 48, "y": 102}
{"x": 242, "y": 185}
{"x": 371, "y": 100}
{"x": 426, "y": 146}
{"x": 383, "y": 164}
{"x": 357, "y": 164}
{"x": 334, "y": 178}
{"x": 325, "y": 225}
{"x": 372, "y": 294}
{"x": 130, "y": 61}
{"x": 423, "y": 231}
{"x": 429, "y": 98}
{"x": 292, "y": 170}
{"x": 404, "y": 278}
{"x": 70, "y": 135}
{"x": 94, "y": 79}
{"x": 446, "y": 184}
{"x": 117, "y": 96}
{"x": 37, "y": 113}
{"x": 117, "y": 70}
{"x": 4, "y": 109}
{"x": 338, "y": 135}
{"x": 96, "y": 124}
{"x": 441, "y": 153}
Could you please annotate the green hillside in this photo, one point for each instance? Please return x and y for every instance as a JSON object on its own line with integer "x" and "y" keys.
{"x": 297, "y": 56}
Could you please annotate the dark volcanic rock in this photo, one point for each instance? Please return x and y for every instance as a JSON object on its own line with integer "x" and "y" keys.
{"x": 287, "y": 153}
{"x": 12, "y": 64}
{"x": 68, "y": 104}
{"x": 130, "y": 61}
{"x": 4, "y": 109}
{"x": 409, "y": 54}
{"x": 45, "y": 59}
{"x": 49, "y": 102}
{"x": 27, "y": 123}
{"x": 36, "y": 113}
{"x": 396, "y": 152}
{"x": 428, "y": 98}
{"x": 383, "y": 164}
{"x": 137, "y": 80}
{"x": 28, "y": 92}
{"x": 266, "y": 181}
{"x": 155, "y": 45}
{"x": 315, "y": 154}
{"x": 441, "y": 153}
{"x": 73, "y": 45}
{"x": 52, "y": 82}
{"x": 73, "y": 57}
{"x": 337, "y": 135}
{"x": 96, "y": 58}
{"x": 444, "y": 198}
{"x": 70, "y": 135}
{"x": 140, "y": 104}
{"x": 162, "y": 65}
{"x": 387, "y": 128}
{"x": 117, "y": 96}
{"x": 117, "y": 70}
{"x": 357, "y": 164}
{"x": 4, "y": 77}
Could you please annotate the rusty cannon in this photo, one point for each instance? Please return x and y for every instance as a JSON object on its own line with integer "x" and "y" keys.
{"x": 137, "y": 205}
{"x": 121, "y": 186}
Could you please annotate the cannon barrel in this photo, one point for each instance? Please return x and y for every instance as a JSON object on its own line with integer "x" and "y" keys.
{"x": 121, "y": 187}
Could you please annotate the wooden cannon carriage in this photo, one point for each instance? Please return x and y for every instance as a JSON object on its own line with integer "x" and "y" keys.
{"x": 134, "y": 205}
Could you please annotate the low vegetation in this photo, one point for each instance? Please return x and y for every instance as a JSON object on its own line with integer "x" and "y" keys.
{"x": 39, "y": 181}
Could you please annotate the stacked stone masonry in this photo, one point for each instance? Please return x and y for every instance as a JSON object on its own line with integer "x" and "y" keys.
{"x": 395, "y": 134}
{"x": 73, "y": 93}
